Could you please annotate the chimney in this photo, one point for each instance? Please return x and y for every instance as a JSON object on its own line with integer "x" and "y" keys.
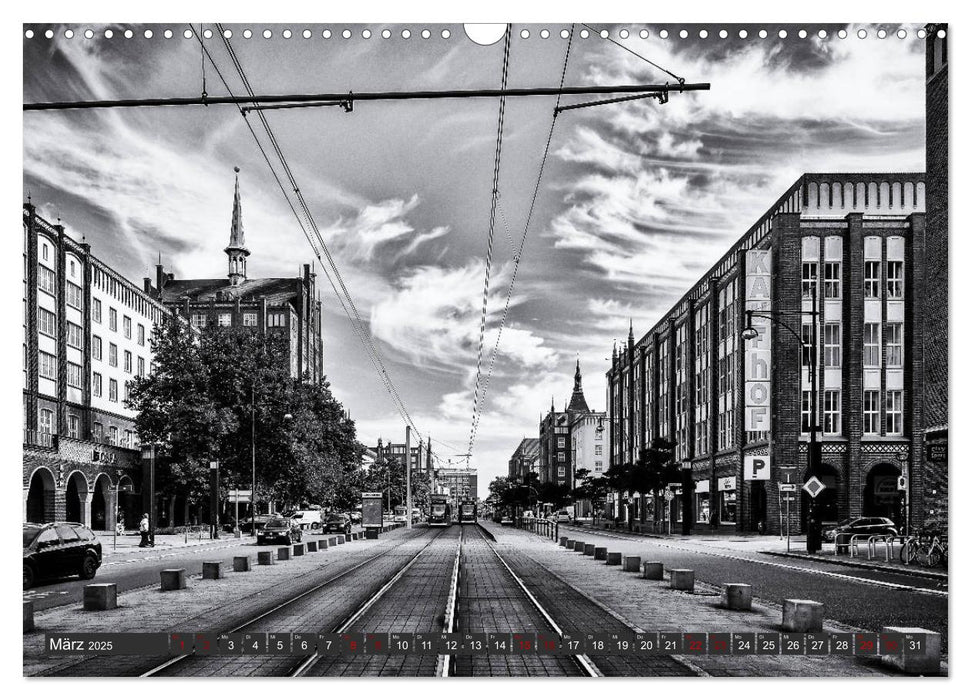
{"x": 147, "y": 285}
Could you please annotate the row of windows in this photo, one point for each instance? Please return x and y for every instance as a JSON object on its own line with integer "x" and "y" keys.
{"x": 226, "y": 319}
{"x": 832, "y": 344}
{"x": 872, "y": 283}
{"x": 125, "y": 294}
{"x": 46, "y": 425}
{"x": 97, "y": 387}
{"x": 126, "y": 322}
{"x": 96, "y": 353}
{"x": 893, "y": 416}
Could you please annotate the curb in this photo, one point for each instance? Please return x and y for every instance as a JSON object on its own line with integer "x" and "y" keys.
{"x": 932, "y": 575}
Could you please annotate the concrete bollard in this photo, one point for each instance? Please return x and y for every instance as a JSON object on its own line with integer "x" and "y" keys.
{"x": 802, "y": 615}
{"x": 265, "y": 558}
{"x": 173, "y": 579}
{"x": 563, "y": 542}
{"x": 683, "y": 579}
{"x": 332, "y": 541}
{"x": 284, "y": 553}
{"x": 100, "y": 596}
{"x": 311, "y": 546}
{"x": 341, "y": 539}
{"x": 371, "y": 534}
{"x": 632, "y": 563}
{"x": 243, "y": 563}
{"x": 569, "y": 544}
{"x": 28, "y": 616}
{"x": 578, "y": 546}
{"x": 737, "y": 596}
{"x": 322, "y": 545}
{"x": 613, "y": 558}
{"x": 212, "y": 569}
{"x": 298, "y": 549}
{"x": 600, "y": 553}
{"x": 588, "y": 549}
{"x": 652, "y": 570}
{"x": 927, "y": 660}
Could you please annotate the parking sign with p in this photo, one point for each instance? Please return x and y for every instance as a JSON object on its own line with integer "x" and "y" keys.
{"x": 757, "y": 467}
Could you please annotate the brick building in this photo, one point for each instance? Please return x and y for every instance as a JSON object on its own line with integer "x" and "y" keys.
{"x": 278, "y": 305}
{"x": 525, "y": 459}
{"x": 856, "y": 243}
{"x": 86, "y": 333}
{"x": 934, "y": 316}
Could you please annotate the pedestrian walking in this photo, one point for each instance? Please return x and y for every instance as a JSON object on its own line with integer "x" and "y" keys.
{"x": 143, "y": 530}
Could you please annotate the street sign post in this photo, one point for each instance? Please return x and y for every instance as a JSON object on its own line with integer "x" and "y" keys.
{"x": 238, "y": 496}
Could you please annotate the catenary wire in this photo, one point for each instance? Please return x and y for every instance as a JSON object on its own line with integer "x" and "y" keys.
{"x": 631, "y": 51}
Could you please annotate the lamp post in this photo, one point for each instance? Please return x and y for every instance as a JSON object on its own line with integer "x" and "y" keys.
{"x": 150, "y": 451}
{"x": 750, "y": 333}
{"x": 687, "y": 503}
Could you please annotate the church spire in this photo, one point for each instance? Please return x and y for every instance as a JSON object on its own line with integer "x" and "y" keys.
{"x": 578, "y": 403}
{"x": 236, "y": 251}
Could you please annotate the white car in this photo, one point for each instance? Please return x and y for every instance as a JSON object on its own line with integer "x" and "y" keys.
{"x": 562, "y": 516}
{"x": 309, "y": 519}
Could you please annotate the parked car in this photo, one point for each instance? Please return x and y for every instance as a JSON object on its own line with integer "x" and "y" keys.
{"x": 309, "y": 519}
{"x": 862, "y": 526}
{"x": 280, "y": 530}
{"x": 561, "y": 516}
{"x": 52, "y": 550}
{"x": 246, "y": 524}
{"x": 337, "y": 522}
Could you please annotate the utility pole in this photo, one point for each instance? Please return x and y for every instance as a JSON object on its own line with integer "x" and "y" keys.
{"x": 408, "y": 475}
{"x": 252, "y": 450}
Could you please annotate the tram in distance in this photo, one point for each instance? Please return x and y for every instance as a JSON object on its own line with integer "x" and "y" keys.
{"x": 439, "y": 512}
{"x": 468, "y": 513}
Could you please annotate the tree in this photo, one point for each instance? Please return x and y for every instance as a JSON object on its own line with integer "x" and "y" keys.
{"x": 657, "y": 469}
{"x": 591, "y": 488}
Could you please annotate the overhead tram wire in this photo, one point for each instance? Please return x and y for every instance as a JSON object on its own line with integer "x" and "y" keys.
{"x": 492, "y": 231}
{"x": 631, "y": 51}
{"x": 522, "y": 244}
{"x": 359, "y": 325}
{"x": 383, "y": 375}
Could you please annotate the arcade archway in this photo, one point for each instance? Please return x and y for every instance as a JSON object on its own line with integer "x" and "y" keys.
{"x": 881, "y": 497}
{"x": 76, "y": 495}
{"x": 40, "y": 497}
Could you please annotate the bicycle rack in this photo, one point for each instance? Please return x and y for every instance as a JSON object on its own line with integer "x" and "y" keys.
{"x": 854, "y": 544}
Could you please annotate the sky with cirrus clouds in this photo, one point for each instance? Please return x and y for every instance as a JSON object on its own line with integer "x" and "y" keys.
{"x": 637, "y": 201}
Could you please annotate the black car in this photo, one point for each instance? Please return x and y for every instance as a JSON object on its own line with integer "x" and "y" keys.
{"x": 862, "y": 526}
{"x": 52, "y": 550}
{"x": 337, "y": 522}
{"x": 279, "y": 530}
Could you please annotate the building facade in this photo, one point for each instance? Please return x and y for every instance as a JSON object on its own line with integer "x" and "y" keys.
{"x": 525, "y": 459}
{"x": 287, "y": 306}
{"x": 86, "y": 334}
{"x": 934, "y": 316}
{"x": 739, "y": 411}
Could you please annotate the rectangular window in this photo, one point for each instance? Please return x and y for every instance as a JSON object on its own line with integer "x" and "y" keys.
{"x": 126, "y": 388}
{"x": 871, "y": 279}
{"x": 96, "y": 384}
{"x": 112, "y": 319}
{"x": 831, "y": 345}
{"x": 129, "y": 439}
{"x": 46, "y": 365}
{"x": 871, "y": 344}
{"x": 45, "y": 279}
{"x": 74, "y": 375}
{"x": 75, "y": 336}
{"x": 73, "y": 295}
{"x": 199, "y": 320}
{"x": 806, "y": 411}
{"x": 561, "y": 456}
{"x": 141, "y": 366}
{"x": 895, "y": 412}
{"x": 895, "y": 279}
{"x": 831, "y": 280}
{"x": 98, "y": 432}
{"x": 561, "y": 442}
{"x": 871, "y": 412}
{"x": 46, "y": 322}
{"x": 895, "y": 345}
{"x": 46, "y": 423}
{"x": 113, "y": 435}
{"x": 96, "y": 347}
{"x": 249, "y": 319}
{"x": 831, "y": 412}
{"x": 276, "y": 320}
{"x": 141, "y": 334}
{"x": 128, "y": 361}
{"x": 809, "y": 275}
{"x": 598, "y": 450}
{"x": 113, "y": 390}
{"x": 126, "y": 326}
{"x": 96, "y": 310}
{"x": 561, "y": 471}
{"x": 112, "y": 354}
{"x": 73, "y": 426}
{"x": 225, "y": 320}
{"x": 807, "y": 344}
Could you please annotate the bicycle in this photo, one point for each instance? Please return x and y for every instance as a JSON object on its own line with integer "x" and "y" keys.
{"x": 932, "y": 553}
{"x": 908, "y": 552}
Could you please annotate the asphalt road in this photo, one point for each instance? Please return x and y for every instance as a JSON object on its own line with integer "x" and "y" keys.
{"x": 857, "y": 597}
{"x": 132, "y": 568}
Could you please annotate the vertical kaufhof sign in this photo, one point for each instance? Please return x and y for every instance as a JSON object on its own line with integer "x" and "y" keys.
{"x": 758, "y": 350}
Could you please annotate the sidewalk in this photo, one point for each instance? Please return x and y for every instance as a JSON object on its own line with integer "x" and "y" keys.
{"x": 128, "y": 544}
{"x": 654, "y": 607}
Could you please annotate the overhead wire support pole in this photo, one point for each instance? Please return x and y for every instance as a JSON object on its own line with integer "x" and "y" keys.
{"x": 661, "y": 97}
{"x": 383, "y": 96}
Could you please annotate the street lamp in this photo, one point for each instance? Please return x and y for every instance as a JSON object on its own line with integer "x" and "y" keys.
{"x": 750, "y": 333}
{"x": 687, "y": 498}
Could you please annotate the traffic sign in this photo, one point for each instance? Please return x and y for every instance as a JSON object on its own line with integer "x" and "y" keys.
{"x": 787, "y": 487}
{"x": 668, "y": 495}
{"x": 247, "y": 493}
{"x": 813, "y": 487}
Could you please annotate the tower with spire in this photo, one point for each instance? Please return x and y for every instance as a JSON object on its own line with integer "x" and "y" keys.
{"x": 236, "y": 251}
{"x": 578, "y": 404}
